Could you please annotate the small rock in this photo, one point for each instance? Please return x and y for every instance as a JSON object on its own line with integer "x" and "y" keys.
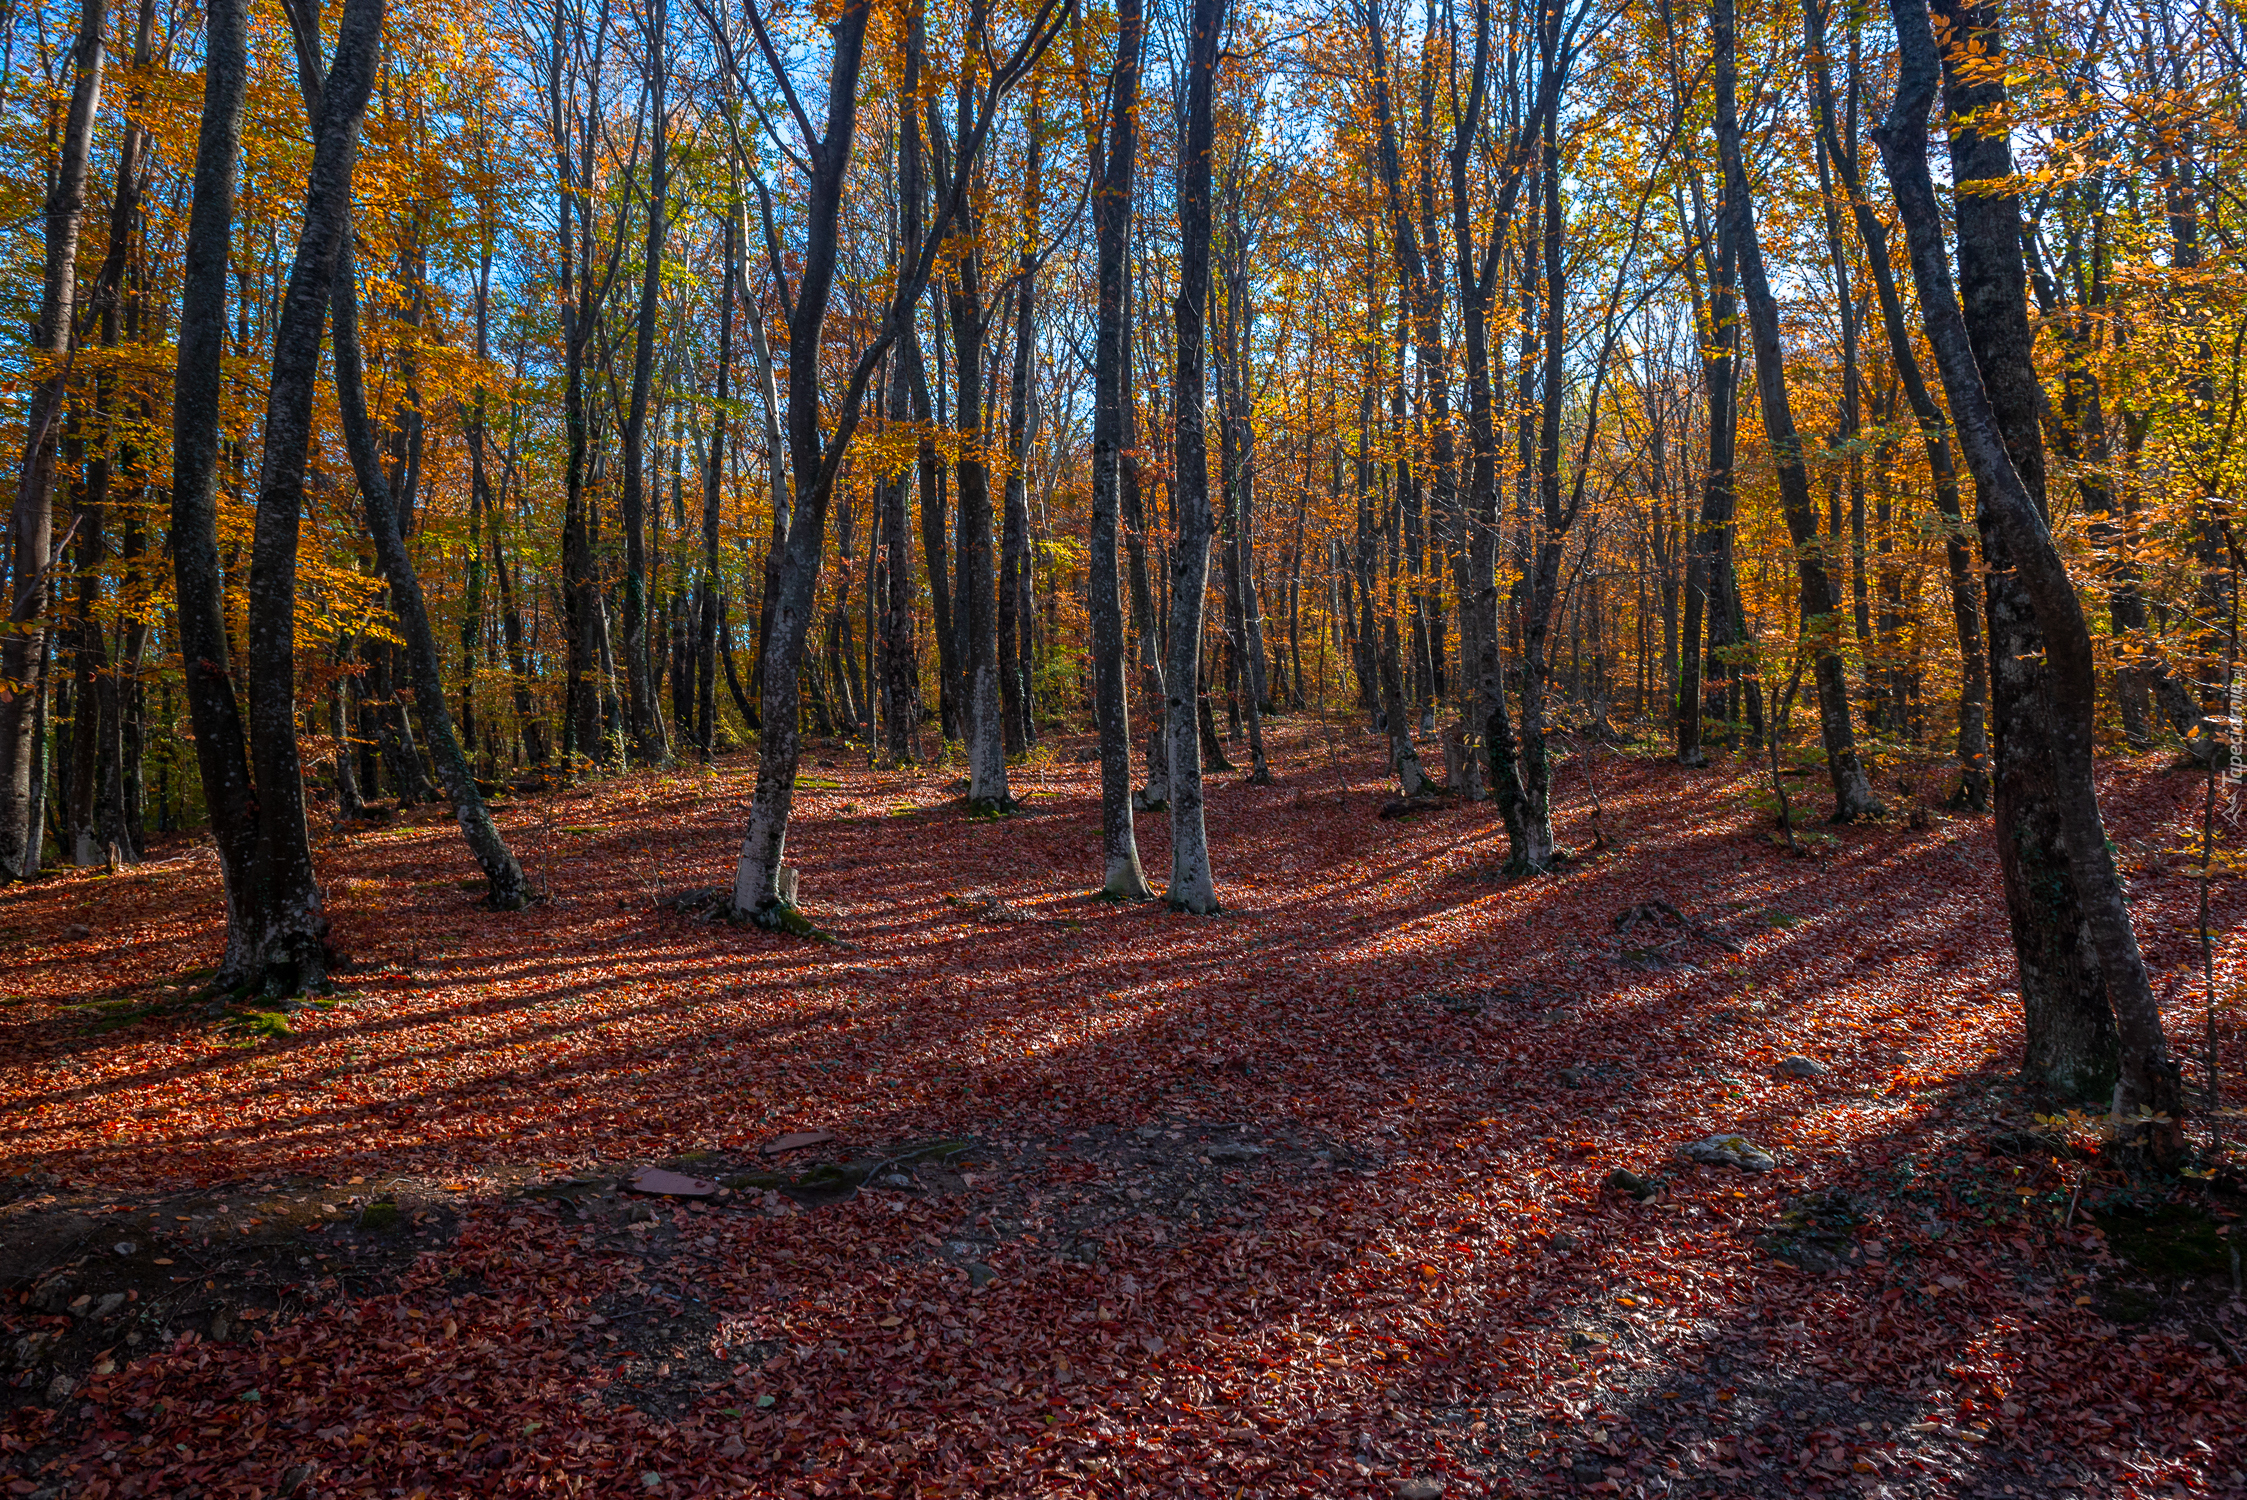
{"x": 59, "y": 1389}
{"x": 897, "y": 1180}
{"x": 979, "y": 1274}
{"x": 1234, "y": 1152}
{"x": 221, "y": 1326}
{"x": 1802, "y": 1067}
{"x": 107, "y": 1307}
{"x": 1638, "y": 1187}
{"x": 1732, "y": 1151}
{"x": 1148, "y": 1132}
{"x": 125, "y": 1247}
{"x": 651, "y": 1480}
{"x": 53, "y": 1297}
{"x": 1562, "y": 1242}
{"x": 639, "y": 1213}
{"x": 76, "y": 932}
{"x": 1419, "y": 1489}
{"x": 1587, "y": 1469}
{"x": 796, "y": 1140}
{"x": 1727, "y": 1081}
{"x": 296, "y": 1480}
{"x": 1572, "y": 1078}
{"x": 28, "y": 1348}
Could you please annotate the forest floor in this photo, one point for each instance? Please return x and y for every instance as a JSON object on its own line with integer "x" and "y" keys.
{"x": 1309, "y": 1198}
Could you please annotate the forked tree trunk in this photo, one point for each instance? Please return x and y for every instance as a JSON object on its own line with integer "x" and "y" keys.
{"x": 2078, "y": 860}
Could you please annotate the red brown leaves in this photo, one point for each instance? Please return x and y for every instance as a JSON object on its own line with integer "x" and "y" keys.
{"x": 1249, "y": 1204}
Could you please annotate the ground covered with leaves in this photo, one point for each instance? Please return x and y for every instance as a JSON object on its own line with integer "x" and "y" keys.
{"x": 1375, "y": 1184}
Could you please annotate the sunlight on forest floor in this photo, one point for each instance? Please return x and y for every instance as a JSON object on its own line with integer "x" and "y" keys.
{"x": 1372, "y": 1184}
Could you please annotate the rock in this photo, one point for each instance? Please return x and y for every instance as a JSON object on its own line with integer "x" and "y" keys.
{"x": 669, "y": 1184}
{"x": 1573, "y": 1078}
{"x": 1731, "y": 1151}
{"x": 1234, "y": 1153}
{"x": 979, "y": 1274}
{"x": 76, "y": 932}
{"x": 59, "y": 1389}
{"x": 107, "y": 1307}
{"x": 640, "y": 1213}
{"x": 125, "y": 1247}
{"x": 1420, "y": 1489}
{"x": 1586, "y": 1469}
{"x": 54, "y": 1296}
{"x": 1802, "y": 1067}
{"x": 1641, "y": 1188}
{"x": 796, "y": 1140}
{"x": 26, "y": 1350}
{"x": 1562, "y": 1242}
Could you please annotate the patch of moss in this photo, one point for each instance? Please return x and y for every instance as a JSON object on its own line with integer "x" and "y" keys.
{"x": 381, "y": 1216}
{"x": 246, "y": 1028}
{"x": 2169, "y": 1240}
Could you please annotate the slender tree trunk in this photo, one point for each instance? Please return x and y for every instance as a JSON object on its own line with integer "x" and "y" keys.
{"x": 508, "y": 890}
{"x": 710, "y": 604}
{"x": 1821, "y": 603}
{"x": 1973, "y": 698}
{"x": 1193, "y": 885}
{"x": 197, "y": 425}
{"x": 292, "y": 951}
{"x": 640, "y": 701}
{"x": 23, "y": 647}
{"x": 1122, "y": 878}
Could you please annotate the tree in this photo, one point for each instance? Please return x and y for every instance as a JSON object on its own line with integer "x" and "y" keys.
{"x": 2148, "y": 1083}
{"x": 1122, "y": 878}
{"x": 1193, "y": 885}
{"x": 31, "y": 523}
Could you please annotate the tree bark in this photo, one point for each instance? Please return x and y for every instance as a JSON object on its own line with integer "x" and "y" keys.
{"x": 1972, "y": 793}
{"x": 291, "y": 950}
{"x": 197, "y": 428}
{"x": 640, "y": 706}
{"x": 507, "y": 889}
{"x": 23, "y": 649}
{"x": 2076, "y": 875}
{"x": 1193, "y": 885}
{"x": 1122, "y": 877}
{"x": 1821, "y": 603}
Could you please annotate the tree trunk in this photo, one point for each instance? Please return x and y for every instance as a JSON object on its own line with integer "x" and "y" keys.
{"x": 291, "y": 944}
{"x": 507, "y": 889}
{"x": 197, "y": 426}
{"x": 639, "y": 694}
{"x": 2076, "y": 1013}
{"x": 1122, "y": 877}
{"x": 1973, "y": 698}
{"x": 23, "y": 648}
{"x": 1193, "y": 885}
{"x": 1821, "y": 604}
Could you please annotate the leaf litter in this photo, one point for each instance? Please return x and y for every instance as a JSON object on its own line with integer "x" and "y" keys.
{"x": 1373, "y": 1185}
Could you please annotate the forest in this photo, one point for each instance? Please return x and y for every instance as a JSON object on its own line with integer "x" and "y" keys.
{"x": 916, "y": 747}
